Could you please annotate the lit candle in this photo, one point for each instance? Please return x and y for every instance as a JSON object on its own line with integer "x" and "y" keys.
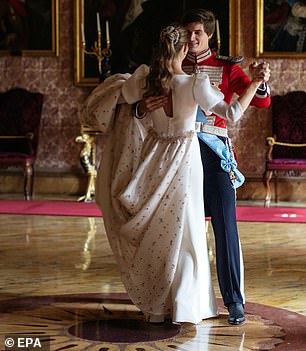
{"x": 218, "y": 30}
{"x": 107, "y": 31}
{"x": 98, "y": 23}
{"x": 83, "y": 33}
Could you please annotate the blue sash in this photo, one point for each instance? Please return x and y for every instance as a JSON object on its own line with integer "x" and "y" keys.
{"x": 224, "y": 151}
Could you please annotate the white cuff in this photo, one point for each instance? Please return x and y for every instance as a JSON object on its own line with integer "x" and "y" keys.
{"x": 137, "y": 115}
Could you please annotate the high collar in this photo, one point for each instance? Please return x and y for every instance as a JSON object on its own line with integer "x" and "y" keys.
{"x": 200, "y": 57}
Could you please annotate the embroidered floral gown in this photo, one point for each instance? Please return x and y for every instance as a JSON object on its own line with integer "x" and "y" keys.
{"x": 150, "y": 190}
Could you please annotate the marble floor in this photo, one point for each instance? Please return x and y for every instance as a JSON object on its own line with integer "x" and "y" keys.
{"x": 59, "y": 279}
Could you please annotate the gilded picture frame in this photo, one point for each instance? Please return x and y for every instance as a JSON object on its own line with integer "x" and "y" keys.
{"x": 85, "y": 24}
{"x": 29, "y": 28}
{"x": 280, "y": 29}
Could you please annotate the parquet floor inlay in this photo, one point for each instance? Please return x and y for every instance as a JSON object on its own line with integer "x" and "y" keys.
{"x": 58, "y": 277}
{"x": 93, "y": 322}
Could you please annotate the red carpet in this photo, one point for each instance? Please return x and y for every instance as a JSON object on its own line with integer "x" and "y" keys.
{"x": 50, "y": 208}
{"x": 271, "y": 214}
{"x": 90, "y": 209}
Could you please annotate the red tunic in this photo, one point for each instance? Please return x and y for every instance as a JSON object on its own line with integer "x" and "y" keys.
{"x": 229, "y": 78}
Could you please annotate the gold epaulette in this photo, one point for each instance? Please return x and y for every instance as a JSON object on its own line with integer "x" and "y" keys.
{"x": 230, "y": 59}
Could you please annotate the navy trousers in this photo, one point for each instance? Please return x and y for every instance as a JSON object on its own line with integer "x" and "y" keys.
{"x": 220, "y": 205}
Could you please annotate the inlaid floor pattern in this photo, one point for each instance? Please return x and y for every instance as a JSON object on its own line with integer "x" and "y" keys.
{"x": 59, "y": 280}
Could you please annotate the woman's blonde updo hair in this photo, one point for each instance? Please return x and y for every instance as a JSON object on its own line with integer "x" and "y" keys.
{"x": 172, "y": 40}
{"x": 171, "y": 34}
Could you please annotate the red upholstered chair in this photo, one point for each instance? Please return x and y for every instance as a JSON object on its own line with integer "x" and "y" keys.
{"x": 20, "y": 114}
{"x": 287, "y": 147}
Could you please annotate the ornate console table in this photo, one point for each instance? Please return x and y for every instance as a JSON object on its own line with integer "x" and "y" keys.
{"x": 88, "y": 160}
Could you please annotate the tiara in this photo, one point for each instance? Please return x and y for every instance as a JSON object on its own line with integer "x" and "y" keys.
{"x": 171, "y": 33}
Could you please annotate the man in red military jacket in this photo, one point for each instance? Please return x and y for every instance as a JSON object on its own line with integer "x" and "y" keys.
{"x": 219, "y": 180}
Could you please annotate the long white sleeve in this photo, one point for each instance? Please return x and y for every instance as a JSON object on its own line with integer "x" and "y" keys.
{"x": 232, "y": 112}
{"x": 211, "y": 100}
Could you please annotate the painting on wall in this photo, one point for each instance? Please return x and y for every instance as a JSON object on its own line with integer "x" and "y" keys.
{"x": 29, "y": 27}
{"x": 281, "y": 28}
{"x": 133, "y": 28}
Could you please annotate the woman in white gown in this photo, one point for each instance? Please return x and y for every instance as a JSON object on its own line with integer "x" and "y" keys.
{"x": 150, "y": 189}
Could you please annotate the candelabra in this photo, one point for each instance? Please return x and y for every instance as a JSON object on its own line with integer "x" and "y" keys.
{"x": 218, "y": 37}
{"x": 102, "y": 54}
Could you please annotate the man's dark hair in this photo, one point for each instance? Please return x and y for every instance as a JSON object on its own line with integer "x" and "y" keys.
{"x": 205, "y": 17}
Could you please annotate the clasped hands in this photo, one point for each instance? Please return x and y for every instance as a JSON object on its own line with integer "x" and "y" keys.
{"x": 259, "y": 71}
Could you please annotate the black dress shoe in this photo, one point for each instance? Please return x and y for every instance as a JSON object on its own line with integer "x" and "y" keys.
{"x": 236, "y": 313}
